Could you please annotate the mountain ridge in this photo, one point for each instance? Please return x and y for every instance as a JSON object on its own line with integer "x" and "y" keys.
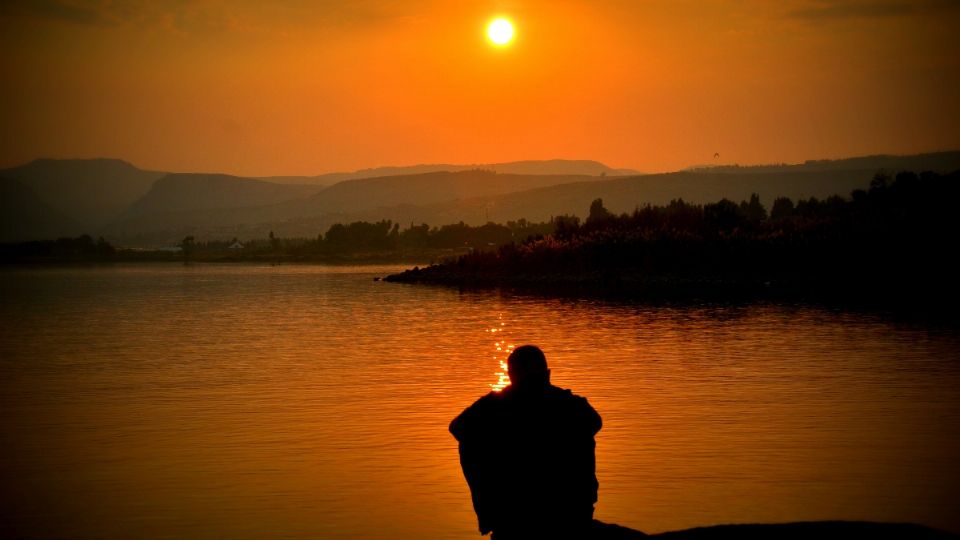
{"x": 24, "y": 216}
{"x": 535, "y": 167}
{"x": 89, "y": 192}
{"x": 155, "y": 207}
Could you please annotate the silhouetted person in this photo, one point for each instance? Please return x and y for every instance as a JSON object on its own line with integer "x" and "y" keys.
{"x": 528, "y": 455}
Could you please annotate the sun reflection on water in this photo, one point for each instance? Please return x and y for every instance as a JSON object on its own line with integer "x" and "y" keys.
{"x": 503, "y": 350}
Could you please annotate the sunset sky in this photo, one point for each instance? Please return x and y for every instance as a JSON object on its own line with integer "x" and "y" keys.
{"x": 306, "y": 87}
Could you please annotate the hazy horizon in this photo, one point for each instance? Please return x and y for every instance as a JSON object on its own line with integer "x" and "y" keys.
{"x": 267, "y": 175}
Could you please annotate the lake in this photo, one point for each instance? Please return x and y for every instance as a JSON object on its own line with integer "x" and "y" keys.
{"x": 242, "y": 401}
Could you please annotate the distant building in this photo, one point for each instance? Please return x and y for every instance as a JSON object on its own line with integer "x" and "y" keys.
{"x": 236, "y": 245}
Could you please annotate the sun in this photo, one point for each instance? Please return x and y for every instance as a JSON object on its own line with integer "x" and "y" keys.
{"x": 500, "y": 31}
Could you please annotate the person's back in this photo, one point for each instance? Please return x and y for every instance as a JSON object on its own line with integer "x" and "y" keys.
{"x": 528, "y": 455}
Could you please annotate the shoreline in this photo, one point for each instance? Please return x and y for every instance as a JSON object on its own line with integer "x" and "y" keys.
{"x": 915, "y": 301}
{"x": 150, "y": 257}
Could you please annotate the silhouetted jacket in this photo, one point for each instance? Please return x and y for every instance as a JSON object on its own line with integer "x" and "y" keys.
{"x": 528, "y": 457}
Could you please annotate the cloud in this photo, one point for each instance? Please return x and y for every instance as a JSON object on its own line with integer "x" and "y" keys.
{"x": 858, "y": 9}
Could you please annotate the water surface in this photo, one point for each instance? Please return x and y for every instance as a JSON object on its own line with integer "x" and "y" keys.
{"x": 234, "y": 401}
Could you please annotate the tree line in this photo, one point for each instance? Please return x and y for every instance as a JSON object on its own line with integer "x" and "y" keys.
{"x": 900, "y": 228}
{"x": 897, "y": 234}
{"x": 83, "y": 247}
{"x": 380, "y": 237}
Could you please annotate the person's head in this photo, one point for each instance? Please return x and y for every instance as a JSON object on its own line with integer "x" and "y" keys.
{"x": 527, "y": 366}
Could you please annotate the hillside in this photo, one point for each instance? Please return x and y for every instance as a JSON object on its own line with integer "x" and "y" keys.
{"x": 533, "y": 167}
{"x": 819, "y": 179}
{"x": 137, "y": 207}
{"x": 183, "y": 203}
{"x": 624, "y": 194}
{"x": 184, "y": 192}
{"x": 619, "y": 195}
{"x": 23, "y": 216}
{"x": 370, "y": 200}
{"x": 215, "y": 207}
{"x": 89, "y": 193}
{"x": 477, "y": 196}
{"x": 426, "y": 189}
{"x": 885, "y": 242}
{"x": 941, "y": 162}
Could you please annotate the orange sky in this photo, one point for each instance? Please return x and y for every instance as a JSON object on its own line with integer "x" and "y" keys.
{"x": 305, "y": 87}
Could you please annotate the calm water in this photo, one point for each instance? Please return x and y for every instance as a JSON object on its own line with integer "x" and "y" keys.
{"x": 312, "y": 402}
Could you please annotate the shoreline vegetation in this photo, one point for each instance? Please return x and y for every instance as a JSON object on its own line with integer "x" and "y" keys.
{"x": 360, "y": 242}
{"x": 52, "y": 253}
{"x": 891, "y": 244}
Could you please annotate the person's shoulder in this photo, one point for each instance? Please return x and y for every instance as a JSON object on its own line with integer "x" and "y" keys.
{"x": 490, "y": 397}
{"x": 579, "y": 407}
{"x": 487, "y": 401}
{"x": 565, "y": 393}
{"x": 474, "y": 416}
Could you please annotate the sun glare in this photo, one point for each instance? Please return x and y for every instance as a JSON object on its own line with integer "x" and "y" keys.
{"x": 500, "y": 31}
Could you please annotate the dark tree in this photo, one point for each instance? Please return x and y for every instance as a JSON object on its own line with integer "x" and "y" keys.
{"x": 566, "y": 226}
{"x": 274, "y": 242}
{"x": 598, "y": 214}
{"x": 753, "y": 210}
{"x": 722, "y": 216}
{"x": 104, "y": 249}
{"x": 188, "y": 245}
{"x": 782, "y": 207}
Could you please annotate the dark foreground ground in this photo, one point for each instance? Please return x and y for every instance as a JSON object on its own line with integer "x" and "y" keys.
{"x": 788, "y": 531}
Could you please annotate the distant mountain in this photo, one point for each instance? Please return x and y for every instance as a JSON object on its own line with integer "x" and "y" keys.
{"x": 431, "y": 198}
{"x": 619, "y": 195}
{"x": 624, "y": 194}
{"x": 183, "y": 202}
{"x": 149, "y": 208}
{"x": 23, "y": 216}
{"x": 942, "y": 162}
{"x": 212, "y": 203}
{"x": 112, "y": 197}
{"x": 559, "y": 166}
{"x": 564, "y": 167}
{"x": 180, "y": 192}
{"x": 88, "y": 192}
{"x": 423, "y": 189}
{"x": 319, "y": 181}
